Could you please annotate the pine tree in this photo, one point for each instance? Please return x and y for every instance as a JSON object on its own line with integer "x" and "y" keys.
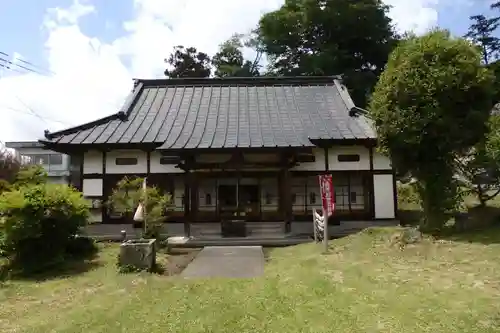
{"x": 481, "y": 32}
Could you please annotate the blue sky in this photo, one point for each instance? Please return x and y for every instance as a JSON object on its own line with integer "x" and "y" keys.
{"x": 94, "y": 48}
{"x": 456, "y": 17}
{"x": 21, "y": 22}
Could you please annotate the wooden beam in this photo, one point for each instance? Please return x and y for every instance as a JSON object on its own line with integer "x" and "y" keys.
{"x": 234, "y": 166}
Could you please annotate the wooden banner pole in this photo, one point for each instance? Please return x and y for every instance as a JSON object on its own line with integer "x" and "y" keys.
{"x": 325, "y": 232}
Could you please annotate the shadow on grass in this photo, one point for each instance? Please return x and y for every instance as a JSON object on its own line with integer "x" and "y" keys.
{"x": 487, "y": 237}
{"x": 477, "y": 225}
{"x": 267, "y": 251}
{"x": 409, "y": 217}
{"x": 66, "y": 269}
{"x": 174, "y": 260}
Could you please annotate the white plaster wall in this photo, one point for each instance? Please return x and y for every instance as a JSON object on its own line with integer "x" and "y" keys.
{"x": 381, "y": 162}
{"x": 156, "y": 167}
{"x": 384, "y": 196}
{"x": 334, "y": 164}
{"x": 92, "y": 187}
{"x": 92, "y": 162}
{"x": 140, "y": 167}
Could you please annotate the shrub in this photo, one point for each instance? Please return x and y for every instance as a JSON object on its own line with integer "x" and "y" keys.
{"x": 81, "y": 247}
{"x": 38, "y": 223}
{"x": 9, "y": 165}
{"x": 129, "y": 193}
{"x": 408, "y": 196}
{"x": 31, "y": 175}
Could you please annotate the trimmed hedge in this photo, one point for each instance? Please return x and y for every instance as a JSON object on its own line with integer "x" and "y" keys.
{"x": 38, "y": 224}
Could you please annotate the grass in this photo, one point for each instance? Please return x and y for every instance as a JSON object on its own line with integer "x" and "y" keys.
{"x": 365, "y": 284}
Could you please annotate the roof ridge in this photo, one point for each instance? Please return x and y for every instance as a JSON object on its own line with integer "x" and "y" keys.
{"x": 259, "y": 80}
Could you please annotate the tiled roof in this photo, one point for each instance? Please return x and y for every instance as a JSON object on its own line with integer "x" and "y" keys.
{"x": 226, "y": 113}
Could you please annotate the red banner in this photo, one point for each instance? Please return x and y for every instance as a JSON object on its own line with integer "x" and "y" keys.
{"x": 327, "y": 194}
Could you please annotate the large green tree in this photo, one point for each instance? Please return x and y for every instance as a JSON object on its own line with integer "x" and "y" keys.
{"x": 187, "y": 62}
{"x": 229, "y": 61}
{"x": 431, "y": 104}
{"x": 334, "y": 37}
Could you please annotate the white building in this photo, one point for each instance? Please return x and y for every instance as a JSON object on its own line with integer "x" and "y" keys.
{"x": 56, "y": 165}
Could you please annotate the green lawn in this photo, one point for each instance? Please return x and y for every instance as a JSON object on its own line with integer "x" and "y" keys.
{"x": 363, "y": 285}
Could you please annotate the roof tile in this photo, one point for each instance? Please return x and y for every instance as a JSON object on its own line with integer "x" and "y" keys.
{"x": 224, "y": 113}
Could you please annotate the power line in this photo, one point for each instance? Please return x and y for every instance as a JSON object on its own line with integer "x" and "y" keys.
{"x": 31, "y": 111}
{"x": 20, "y": 66}
{"x": 31, "y": 114}
{"x": 113, "y": 103}
{"x": 27, "y": 63}
{"x": 5, "y": 65}
{"x": 11, "y": 69}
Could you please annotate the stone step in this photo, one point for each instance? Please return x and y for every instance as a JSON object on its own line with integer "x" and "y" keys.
{"x": 205, "y": 229}
{"x": 265, "y": 228}
{"x": 271, "y": 242}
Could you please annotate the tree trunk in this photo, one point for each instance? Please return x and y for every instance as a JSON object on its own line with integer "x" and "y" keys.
{"x": 481, "y": 196}
{"x": 433, "y": 220}
{"x": 434, "y": 211}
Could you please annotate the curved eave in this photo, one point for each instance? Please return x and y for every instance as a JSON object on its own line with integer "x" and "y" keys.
{"x": 68, "y": 148}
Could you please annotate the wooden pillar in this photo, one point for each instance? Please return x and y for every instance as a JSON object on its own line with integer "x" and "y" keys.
{"x": 187, "y": 196}
{"x": 286, "y": 180}
{"x": 370, "y": 188}
{"x": 194, "y": 197}
{"x": 106, "y": 192}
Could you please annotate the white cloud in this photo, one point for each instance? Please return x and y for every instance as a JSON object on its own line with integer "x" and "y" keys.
{"x": 417, "y": 16}
{"x": 69, "y": 15}
{"x": 91, "y": 80}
